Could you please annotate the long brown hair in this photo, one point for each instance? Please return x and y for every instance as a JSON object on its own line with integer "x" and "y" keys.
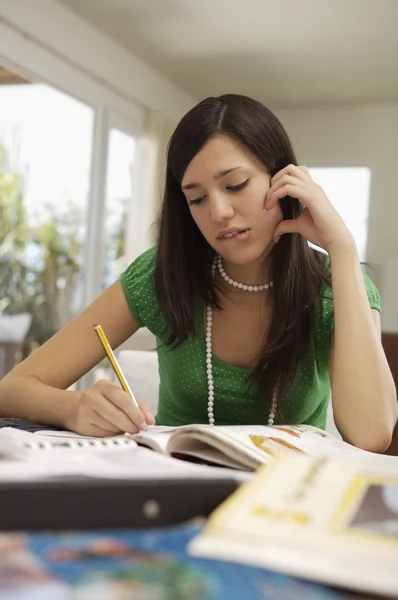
{"x": 183, "y": 264}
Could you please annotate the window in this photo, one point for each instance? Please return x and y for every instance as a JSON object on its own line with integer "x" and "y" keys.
{"x": 45, "y": 143}
{"x": 118, "y": 203}
{"x": 348, "y": 189}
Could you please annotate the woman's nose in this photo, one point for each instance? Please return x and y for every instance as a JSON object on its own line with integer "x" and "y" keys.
{"x": 221, "y": 208}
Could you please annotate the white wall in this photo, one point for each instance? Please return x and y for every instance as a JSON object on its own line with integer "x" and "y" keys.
{"x": 359, "y": 136}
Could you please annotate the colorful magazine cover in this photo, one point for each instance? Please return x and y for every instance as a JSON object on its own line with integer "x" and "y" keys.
{"x": 147, "y": 564}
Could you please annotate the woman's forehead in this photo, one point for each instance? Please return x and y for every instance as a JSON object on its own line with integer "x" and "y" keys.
{"x": 217, "y": 155}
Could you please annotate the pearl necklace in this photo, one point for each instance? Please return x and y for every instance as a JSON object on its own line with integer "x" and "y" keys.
{"x": 217, "y": 262}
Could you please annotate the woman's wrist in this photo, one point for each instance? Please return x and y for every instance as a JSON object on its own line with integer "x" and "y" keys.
{"x": 70, "y": 410}
{"x": 344, "y": 249}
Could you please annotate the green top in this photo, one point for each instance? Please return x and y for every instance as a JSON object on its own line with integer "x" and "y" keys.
{"x": 183, "y": 383}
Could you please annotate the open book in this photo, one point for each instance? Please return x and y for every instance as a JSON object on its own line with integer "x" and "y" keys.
{"x": 328, "y": 520}
{"x": 31, "y": 456}
{"x": 247, "y": 447}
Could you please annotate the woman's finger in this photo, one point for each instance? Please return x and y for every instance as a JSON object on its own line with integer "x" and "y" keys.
{"x": 302, "y": 225}
{"x": 271, "y": 199}
{"x": 294, "y": 191}
{"x": 146, "y": 409}
{"x": 98, "y": 431}
{"x": 293, "y": 171}
{"x": 287, "y": 226}
{"x": 105, "y": 404}
{"x": 306, "y": 171}
{"x": 98, "y": 420}
{"x": 121, "y": 400}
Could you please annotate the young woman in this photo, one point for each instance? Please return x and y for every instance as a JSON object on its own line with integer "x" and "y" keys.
{"x": 248, "y": 329}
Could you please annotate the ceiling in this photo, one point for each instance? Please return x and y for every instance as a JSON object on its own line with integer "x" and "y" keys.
{"x": 283, "y": 52}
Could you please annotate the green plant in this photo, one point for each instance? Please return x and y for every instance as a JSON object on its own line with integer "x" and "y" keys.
{"x": 39, "y": 262}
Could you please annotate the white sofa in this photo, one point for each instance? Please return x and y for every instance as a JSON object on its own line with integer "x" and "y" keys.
{"x": 140, "y": 367}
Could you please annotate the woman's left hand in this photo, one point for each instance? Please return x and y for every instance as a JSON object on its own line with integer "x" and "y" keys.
{"x": 319, "y": 222}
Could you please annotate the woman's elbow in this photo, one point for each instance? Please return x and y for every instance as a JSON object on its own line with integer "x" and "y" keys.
{"x": 378, "y": 446}
{"x": 375, "y": 441}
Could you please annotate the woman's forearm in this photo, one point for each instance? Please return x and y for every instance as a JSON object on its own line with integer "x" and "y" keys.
{"x": 363, "y": 391}
{"x": 26, "y": 397}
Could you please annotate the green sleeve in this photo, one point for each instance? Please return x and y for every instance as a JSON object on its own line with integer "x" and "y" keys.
{"x": 373, "y": 293}
{"x": 138, "y": 286}
{"x": 327, "y": 308}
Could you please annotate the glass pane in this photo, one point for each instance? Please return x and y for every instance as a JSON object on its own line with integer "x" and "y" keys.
{"x": 45, "y": 158}
{"x": 348, "y": 189}
{"x": 118, "y": 203}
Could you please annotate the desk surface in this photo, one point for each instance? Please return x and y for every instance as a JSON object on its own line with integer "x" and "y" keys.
{"x": 116, "y": 565}
{"x": 127, "y": 563}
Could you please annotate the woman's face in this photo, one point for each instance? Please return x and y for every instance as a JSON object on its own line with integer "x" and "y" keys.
{"x": 226, "y": 187}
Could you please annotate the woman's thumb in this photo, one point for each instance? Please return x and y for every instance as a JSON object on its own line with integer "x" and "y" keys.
{"x": 288, "y": 226}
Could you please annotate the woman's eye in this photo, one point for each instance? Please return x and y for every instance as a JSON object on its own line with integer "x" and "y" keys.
{"x": 196, "y": 200}
{"x": 230, "y": 188}
{"x": 240, "y": 186}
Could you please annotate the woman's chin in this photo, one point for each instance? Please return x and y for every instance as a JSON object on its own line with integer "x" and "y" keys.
{"x": 249, "y": 254}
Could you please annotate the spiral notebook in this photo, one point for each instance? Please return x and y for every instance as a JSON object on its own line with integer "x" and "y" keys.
{"x": 25, "y": 455}
{"x": 19, "y": 444}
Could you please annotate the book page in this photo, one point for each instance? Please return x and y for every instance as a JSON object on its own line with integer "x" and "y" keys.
{"x": 152, "y": 429}
{"x": 252, "y": 445}
{"x": 25, "y": 455}
{"x": 329, "y": 520}
{"x": 258, "y": 444}
{"x": 156, "y": 437}
{"x": 112, "y": 463}
{"x": 263, "y": 443}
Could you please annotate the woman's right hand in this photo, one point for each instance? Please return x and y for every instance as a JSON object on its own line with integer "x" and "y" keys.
{"x": 105, "y": 409}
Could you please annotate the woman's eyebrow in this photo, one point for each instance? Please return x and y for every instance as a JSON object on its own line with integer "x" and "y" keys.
{"x": 219, "y": 175}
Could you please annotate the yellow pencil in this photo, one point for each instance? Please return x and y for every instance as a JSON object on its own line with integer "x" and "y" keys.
{"x": 112, "y": 359}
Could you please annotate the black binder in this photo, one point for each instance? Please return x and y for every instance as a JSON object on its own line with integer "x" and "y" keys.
{"x": 84, "y": 503}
